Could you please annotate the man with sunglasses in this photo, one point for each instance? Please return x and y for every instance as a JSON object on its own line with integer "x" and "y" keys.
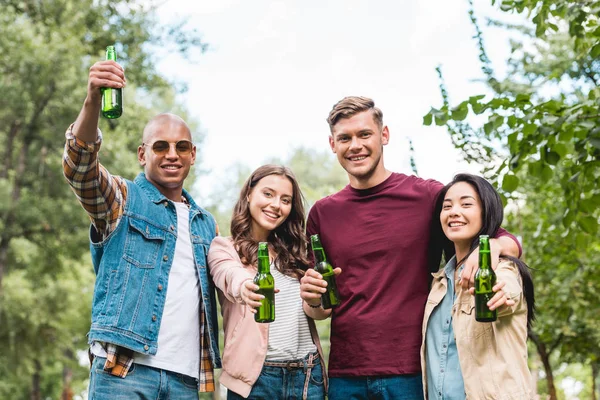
{"x": 154, "y": 329}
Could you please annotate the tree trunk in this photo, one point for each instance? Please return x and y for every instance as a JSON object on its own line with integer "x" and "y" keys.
{"x": 67, "y": 392}
{"x": 595, "y": 375}
{"x": 35, "y": 381}
{"x": 545, "y": 358}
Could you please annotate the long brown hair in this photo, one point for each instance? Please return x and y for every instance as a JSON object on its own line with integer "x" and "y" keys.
{"x": 288, "y": 239}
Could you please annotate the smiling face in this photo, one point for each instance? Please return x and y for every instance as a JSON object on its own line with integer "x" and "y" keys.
{"x": 461, "y": 215}
{"x": 358, "y": 144}
{"x": 270, "y": 203}
{"x": 167, "y": 172}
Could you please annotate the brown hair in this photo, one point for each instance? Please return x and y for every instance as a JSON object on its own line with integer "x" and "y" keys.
{"x": 288, "y": 239}
{"x": 352, "y": 105}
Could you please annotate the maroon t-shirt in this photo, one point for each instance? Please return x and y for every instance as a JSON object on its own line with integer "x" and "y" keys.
{"x": 379, "y": 237}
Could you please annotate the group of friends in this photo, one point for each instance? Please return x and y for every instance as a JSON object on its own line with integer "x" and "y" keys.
{"x": 405, "y": 327}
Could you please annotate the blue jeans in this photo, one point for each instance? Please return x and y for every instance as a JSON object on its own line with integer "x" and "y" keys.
{"x": 277, "y": 383}
{"x": 396, "y": 387}
{"x": 142, "y": 383}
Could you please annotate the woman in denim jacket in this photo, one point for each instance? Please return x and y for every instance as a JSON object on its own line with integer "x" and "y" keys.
{"x": 282, "y": 359}
{"x": 460, "y": 357}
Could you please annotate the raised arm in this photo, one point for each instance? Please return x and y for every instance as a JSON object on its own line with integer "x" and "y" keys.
{"x": 103, "y": 74}
{"x": 100, "y": 194}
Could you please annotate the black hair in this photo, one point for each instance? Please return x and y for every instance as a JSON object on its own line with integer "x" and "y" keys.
{"x": 492, "y": 214}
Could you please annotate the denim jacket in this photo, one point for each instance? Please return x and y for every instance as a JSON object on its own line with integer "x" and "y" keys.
{"x": 132, "y": 267}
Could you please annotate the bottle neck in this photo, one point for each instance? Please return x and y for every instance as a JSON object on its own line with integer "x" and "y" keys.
{"x": 264, "y": 265}
{"x": 485, "y": 259}
{"x": 111, "y": 54}
{"x": 319, "y": 254}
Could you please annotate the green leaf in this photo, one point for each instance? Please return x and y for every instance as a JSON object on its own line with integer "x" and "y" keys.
{"x": 441, "y": 120}
{"x": 510, "y": 183}
{"x": 589, "y": 224}
{"x": 478, "y": 108}
{"x": 488, "y": 127}
{"x": 475, "y": 99}
{"x": 552, "y": 157}
{"x": 512, "y": 121}
{"x": 568, "y": 218}
{"x": 528, "y": 129}
{"x": 460, "y": 112}
{"x": 595, "y": 51}
{"x": 587, "y": 205}
{"x": 560, "y": 149}
{"x": 497, "y": 121}
{"x": 427, "y": 119}
{"x": 565, "y": 135}
{"x": 595, "y": 142}
{"x": 547, "y": 173}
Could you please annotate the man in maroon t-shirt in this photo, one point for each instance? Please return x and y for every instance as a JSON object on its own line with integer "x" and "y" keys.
{"x": 376, "y": 230}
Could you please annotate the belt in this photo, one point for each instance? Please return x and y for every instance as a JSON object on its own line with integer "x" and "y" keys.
{"x": 313, "y": 360}
{"x": 306, "y": 365}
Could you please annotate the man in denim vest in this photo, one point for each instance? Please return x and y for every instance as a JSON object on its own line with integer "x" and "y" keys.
{"x": 154, "y": 329}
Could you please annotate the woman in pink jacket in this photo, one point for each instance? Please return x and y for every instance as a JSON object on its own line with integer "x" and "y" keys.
{"x": 282, "y": 359}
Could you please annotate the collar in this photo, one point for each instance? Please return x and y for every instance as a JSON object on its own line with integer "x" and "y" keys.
{"x": 157, "y": 197}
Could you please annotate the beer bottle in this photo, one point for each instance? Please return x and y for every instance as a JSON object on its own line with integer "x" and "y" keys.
{"x": 266, "y": 286}
{"x": 485, "y": 279}
{"x": 331, "y": 297}
{"x": 112, "y": 99}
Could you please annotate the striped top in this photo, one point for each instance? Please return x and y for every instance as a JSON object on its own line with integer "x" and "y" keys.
{"x": 289, "y": 334}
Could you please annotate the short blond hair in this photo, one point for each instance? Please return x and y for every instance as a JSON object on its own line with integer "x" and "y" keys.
{"x": 352, "y": 105}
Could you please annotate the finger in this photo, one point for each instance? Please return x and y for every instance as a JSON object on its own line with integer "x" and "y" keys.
{"x": 311, "y": 273}
{"x": 108, "y": 65}
{"x": 498, "y": 300}
{"x": 472, "y": 290}
{"x": 337, "y": 271}
{"x": 498, "y": 286}
{"x": 307, "y": 296}
{"x": 251, "y": 286}
{"x": 314, "y": 282}
{"x": 312, "y": 288}
{"x": 276, "y": 290}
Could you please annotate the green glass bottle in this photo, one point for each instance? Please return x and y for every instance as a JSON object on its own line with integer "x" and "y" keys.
{"x": 485, "y": 279}
{"x": 112, "y": 99}
{"x": 331, "y": 297}
{"x": 266, "y": 286}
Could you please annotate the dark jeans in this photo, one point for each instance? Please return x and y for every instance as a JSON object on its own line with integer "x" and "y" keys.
{"x": 141, "y": 383}
{"x": 397, "y": 387}
{"x": 276, "y": 383}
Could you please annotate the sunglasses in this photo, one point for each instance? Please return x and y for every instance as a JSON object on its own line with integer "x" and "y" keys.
{"x": 162, "y": 147}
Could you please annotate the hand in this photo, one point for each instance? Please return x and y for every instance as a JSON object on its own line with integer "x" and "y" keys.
{"x": 467, "y": 276}
{"x": 249, "y": 295}
{"x": 104, "y": 74}
{"x": 312, "y": 286}
{"x": 499, "y": 298}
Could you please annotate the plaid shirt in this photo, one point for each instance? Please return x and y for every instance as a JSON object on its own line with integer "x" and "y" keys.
{"x": 103, "y": 196}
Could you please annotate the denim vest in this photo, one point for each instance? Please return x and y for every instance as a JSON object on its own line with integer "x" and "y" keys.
{"x": 132, "y": 267}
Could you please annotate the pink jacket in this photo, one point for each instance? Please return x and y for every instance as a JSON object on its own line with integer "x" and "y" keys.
{"x": 245, "y": 340}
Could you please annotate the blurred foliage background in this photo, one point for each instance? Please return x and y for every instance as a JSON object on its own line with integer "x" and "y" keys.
{"x": 535, "y": 133}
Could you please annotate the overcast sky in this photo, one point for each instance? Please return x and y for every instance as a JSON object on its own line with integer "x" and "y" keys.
{"x": 275, "y": 68}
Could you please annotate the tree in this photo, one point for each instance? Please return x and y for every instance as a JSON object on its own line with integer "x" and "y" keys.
{"x": 46, "y": 277}
{"x": 540, "y": 145}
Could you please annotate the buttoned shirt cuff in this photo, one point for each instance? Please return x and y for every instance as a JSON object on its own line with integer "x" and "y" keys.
{"x": 91, "y": 147}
